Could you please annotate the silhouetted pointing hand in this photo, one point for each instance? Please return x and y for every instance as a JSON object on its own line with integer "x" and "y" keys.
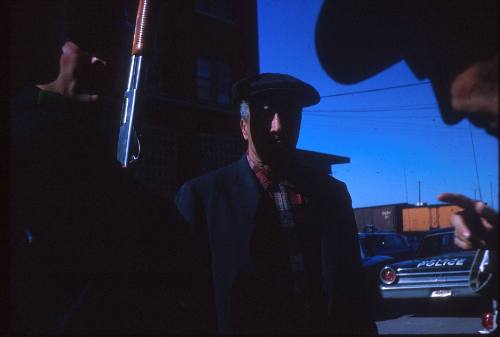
{"x": 476, "y": 226}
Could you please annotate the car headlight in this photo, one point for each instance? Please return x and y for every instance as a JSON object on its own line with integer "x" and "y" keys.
{"x": 388, "y": 275}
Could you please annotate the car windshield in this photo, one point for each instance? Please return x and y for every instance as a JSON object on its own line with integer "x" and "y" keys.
{"x": 434, "y": 245}
{"x": 383, "y": 244}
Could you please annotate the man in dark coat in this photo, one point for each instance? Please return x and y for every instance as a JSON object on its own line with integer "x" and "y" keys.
{"x": 279, "y": 243}
{"x": 89, "y": 246}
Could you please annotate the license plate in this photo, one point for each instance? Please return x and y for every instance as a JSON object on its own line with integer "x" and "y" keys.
{"x": 441, "y": 293}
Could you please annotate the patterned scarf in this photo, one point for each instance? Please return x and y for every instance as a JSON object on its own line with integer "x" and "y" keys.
{"x": 289, "y": 204}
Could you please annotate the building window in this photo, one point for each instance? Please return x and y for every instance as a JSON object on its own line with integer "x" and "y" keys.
{"x": 204, "y": 78}
{"x": 223, "y": 83}
{"x": 222, "y": 9}
{"x": 213, "y": 81}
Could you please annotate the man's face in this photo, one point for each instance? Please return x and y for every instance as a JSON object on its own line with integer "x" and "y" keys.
{"x": 272, "y": 129}
{"x": 469, "y": 91}
{"x": 464, "y": 77}
{"x": 474, "y": 94}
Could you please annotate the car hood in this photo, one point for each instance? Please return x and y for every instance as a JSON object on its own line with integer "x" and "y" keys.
{"x": 445, "y": 262}
{"x": 377, "y": 259}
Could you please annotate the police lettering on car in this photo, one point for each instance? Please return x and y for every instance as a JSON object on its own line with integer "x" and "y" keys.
{"x": 441, "y": 262}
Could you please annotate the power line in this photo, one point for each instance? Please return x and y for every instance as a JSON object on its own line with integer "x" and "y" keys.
{"x": 426, "y": 120}
{"x": 381, "y": 124}
{"x": 381, "y": 109}
{"x": 371, "y": 117}
{"x": 371, "y": 109}
{"x": 360, "y": 116}
{"x": 431, "y": 104}
{"x": 376, "y": 89}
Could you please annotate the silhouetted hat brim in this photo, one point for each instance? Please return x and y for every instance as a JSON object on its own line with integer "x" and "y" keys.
{"x": 356, "y": 39}
{"x": 273, "y": 83}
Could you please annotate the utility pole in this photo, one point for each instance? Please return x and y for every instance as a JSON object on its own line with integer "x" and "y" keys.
{"x": 491, "y": 194}
{"x": 475, "y": 164}
{"x": 406, "y": 184}
{"x": 419, "y": 196}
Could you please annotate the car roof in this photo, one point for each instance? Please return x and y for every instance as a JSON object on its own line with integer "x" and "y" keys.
{"x": 440, "y": 231}
{"x": 377, "y": 233}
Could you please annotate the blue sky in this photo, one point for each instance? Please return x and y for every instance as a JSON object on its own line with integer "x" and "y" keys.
{"x": 395, "y": 138}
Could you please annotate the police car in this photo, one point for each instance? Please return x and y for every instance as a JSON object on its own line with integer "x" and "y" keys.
{"x": 377, "y": 249}
{"x": 377, "y": 245}
{"x": 439, "y": 270}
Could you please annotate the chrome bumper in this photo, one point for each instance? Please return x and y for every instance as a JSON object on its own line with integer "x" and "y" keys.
{"x": 434, "y": 290}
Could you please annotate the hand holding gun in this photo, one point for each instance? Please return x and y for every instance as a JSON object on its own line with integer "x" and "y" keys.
{"x": 128, "y": 107}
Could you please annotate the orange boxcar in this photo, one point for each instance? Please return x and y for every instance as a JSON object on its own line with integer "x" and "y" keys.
{"x": 428, "y": 217}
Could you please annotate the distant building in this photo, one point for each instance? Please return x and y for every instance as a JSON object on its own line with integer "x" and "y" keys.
{"x": 188, "y": 125}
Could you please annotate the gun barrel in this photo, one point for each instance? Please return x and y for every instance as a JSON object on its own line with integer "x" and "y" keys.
{"x": 140, "y": 27}
{"x": 128, "y": 108}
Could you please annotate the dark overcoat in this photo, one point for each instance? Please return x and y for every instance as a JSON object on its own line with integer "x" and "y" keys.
{"x": 89, "y": 246}
{"x": 222, "y": 208}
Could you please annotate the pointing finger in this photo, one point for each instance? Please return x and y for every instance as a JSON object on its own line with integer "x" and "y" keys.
{"x": 457, "y": 199}
{"x": 462, "y": 244}
{"x": 461, "y": 230}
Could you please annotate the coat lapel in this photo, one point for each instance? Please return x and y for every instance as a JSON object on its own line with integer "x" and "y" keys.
{"x": 247, "y": 191}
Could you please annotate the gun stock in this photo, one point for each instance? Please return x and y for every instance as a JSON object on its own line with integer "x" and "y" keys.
{"x": 129, "y": 98}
